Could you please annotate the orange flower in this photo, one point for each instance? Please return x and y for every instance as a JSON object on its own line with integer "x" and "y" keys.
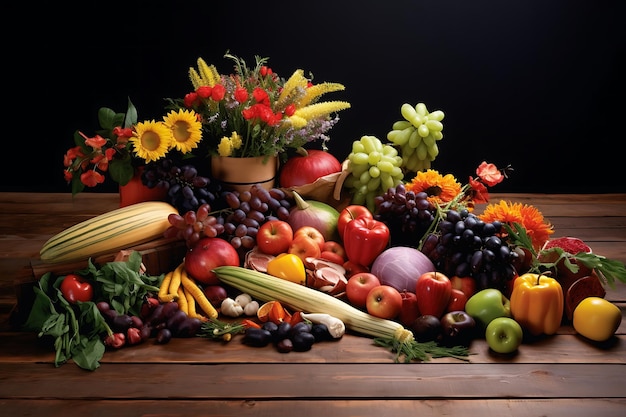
{"x": 489, "y": 174}
{"x": 440, "y": 189}
{"x": 527, "y": 216}
{"x": 91, "y": 178}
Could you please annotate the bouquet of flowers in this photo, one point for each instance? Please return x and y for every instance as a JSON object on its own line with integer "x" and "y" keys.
{"x": 250, "y": 112}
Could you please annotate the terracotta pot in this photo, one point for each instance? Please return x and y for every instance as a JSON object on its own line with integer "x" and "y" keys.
{"x": 135, "y": 192}
{"x": 239, "y": 174}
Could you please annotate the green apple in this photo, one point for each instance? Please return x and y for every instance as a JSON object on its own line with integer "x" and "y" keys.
{"x": 504, "y": 335}
{"x": 487, "y": 305}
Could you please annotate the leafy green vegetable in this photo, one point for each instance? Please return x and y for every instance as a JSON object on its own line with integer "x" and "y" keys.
{"x": 77, "y": 330}
{"x": 122, "y": 284}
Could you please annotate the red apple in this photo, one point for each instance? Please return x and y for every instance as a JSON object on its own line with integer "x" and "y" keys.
{"x": 457, "y": 301}
{"x": 274, "y": 237}
{"x": 410, "y": 311}
{"x": 465, "y": 284}
{"x": 332, "y": 257}
{"x": 353, "y": 268}
{"x": 350, "y": 213}
{"x": 384, "y": 301}
{"x": 335, "y": 247}
{"x": 311, "y": 232}
{"x": 209, "y": 253}
{"x": 433, "y": 291}
{"x": 304, "y": 247}
{"x": 358, "y": 286}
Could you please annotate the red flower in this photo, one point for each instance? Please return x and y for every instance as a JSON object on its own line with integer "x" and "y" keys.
{"x": 97, "y": 142}
{"x": 241, "y": 94}
{"x": 218, "y": 92}
{"x": 489, "y": 174}
{"x": 261, "y": 96}
{"x": 71, "y": 154}
{"x": 266, "y": 71}
{"x": 204, "y": 91}
{"x": 290, "y": 110}
{"x": 91, "y": 178}
{"x": 109, "y": 153}
{"x": 126, "y": 132}
{"x": 190, "y": 99}
{"x": 478, "y": 192}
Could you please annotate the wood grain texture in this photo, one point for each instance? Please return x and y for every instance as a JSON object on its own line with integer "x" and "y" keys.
{"x": 560, "y": 375}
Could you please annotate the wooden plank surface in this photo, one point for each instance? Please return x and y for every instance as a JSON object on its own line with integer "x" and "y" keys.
{"x": 166, "y": 407}
{"x": 559, "y": 375}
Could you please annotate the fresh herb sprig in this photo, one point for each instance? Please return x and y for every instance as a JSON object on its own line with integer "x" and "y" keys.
{"x": 412, "y": 350}
{"x": 608, "y": 270}
{"x": 220, "y": 330}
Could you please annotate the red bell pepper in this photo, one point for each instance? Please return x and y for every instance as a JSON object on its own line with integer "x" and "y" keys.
{"x": 364, "y": 239}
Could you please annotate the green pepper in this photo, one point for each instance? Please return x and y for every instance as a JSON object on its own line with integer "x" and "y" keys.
{"x": 289, "y": 267}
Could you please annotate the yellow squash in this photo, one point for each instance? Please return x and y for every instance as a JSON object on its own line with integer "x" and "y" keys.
{"x": 117, "y": 229}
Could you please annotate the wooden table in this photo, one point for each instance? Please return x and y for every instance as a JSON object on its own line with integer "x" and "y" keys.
{"x": 562, "y": 375}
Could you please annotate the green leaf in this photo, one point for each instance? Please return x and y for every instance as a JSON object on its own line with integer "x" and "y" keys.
{"x": 131, "y": 114}
{"x": 121, "y": 170}
{"x": 88, "y": 353}
{"x": 107, "y": 118}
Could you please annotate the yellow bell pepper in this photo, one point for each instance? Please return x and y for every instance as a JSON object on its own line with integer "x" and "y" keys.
{"x": 537, "y": 303}
{"x": 289, "y": 267}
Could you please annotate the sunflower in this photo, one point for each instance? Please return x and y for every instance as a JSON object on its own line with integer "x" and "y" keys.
{"x": 440, "y": 189}
{"x": 151, "y": 140}
{"x": 186, "y": 129}
{"x": 525, "y": 215}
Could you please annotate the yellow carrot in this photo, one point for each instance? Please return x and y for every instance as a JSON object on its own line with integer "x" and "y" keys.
{"x": 192, "y": 288}
{"x": 164, "y": 296}
{"x": 191, "y": 304}
{"x": 182, "y": 301}
{"x": 175, "y": 282}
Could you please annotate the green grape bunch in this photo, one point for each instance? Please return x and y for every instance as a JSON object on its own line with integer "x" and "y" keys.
{"x": 373, "y": 168}
{"x": 417, "y": 136}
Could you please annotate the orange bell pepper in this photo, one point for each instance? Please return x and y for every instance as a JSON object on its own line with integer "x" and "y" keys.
{"x": 537, "y": 303}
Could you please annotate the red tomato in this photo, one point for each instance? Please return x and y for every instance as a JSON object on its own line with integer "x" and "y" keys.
{"x": 274, "y": 237}
{"x": 76, "y": 288}
{"x": 209, "y": 253}
{"x": 350, "y": 213}
{"x": 300, "y": 170}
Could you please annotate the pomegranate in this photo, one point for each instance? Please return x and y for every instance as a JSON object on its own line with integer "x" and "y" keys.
{"x": 571, "y": 245}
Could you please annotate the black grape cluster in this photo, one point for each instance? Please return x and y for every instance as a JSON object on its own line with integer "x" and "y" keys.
{"x": 408, "y": 215}
{"x": 186, "y": 189}
{"x": 464, "y": 245}
{"x": 237, "y": 217}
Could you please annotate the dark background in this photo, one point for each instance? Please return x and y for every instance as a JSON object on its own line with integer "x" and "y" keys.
{"x": 535, "y": 84}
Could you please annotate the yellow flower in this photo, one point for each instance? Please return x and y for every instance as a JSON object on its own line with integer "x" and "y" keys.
{"x": 440, "y": 189}
{"x": 313, "y": 111}
{"x": 236, "y": 141}
{"x": 317, "y": 90}
{"x": 297, "y": 80}
{"x": 186, "y": 129}
{"x": 206, "y": 75}
{"x": 527, "y": 216}
{"x": 151, "y": 140}
{"x": 225, "y": 147}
